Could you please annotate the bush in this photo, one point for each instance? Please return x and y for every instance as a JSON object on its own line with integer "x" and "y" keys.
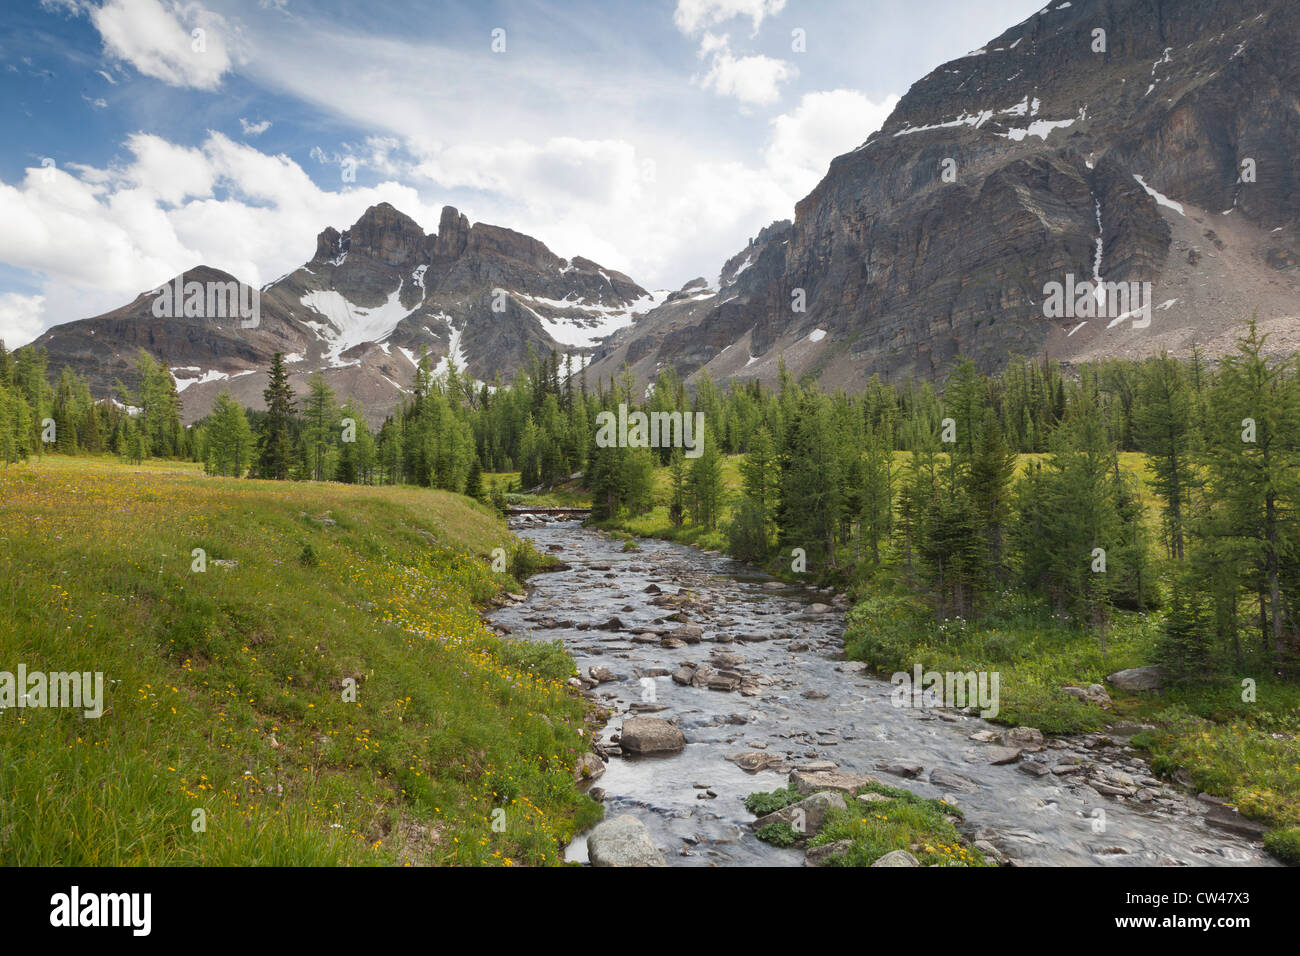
{"x": 747, "y": 535}
{"x": 762, "y": 803}
{"x": 777, "y": 834}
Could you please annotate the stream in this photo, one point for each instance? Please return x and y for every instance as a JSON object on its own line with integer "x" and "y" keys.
{"x": 800, "y": 703}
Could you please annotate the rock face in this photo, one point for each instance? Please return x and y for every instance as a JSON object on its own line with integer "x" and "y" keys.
{"x": 622, "y": 841}
{"x": 1035, "y": 157}
{"x": 650, "y": 735}
{"x": 1138, "y": 678}
{"x": 361, "y": 310}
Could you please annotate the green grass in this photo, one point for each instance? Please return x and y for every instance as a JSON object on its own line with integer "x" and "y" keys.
{"x": 900, "y": 821}
{"x": 227, "y": 691}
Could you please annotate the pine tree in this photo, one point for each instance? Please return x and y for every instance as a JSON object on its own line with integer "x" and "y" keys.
{"x": 275, "y": 454}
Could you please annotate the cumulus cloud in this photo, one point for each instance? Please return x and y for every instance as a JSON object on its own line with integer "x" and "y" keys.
{"x": 691, "y": 15}
{"x": 753, "y": 80}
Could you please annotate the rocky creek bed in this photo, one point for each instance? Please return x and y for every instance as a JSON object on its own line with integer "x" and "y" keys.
{"x": 721, "y": 682}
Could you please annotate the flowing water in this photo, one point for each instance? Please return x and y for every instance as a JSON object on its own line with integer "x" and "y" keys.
{"x": 808, "y": 703}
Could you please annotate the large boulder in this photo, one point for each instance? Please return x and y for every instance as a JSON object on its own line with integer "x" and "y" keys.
{"x": 1135, "y": 679}
{"x": 622, "y": 841}
{"x": 650, "y": 735}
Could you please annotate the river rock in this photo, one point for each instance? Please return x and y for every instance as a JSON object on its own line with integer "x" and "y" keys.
{"x": 1135, "y": 679}
{"x": 952, "y": 781}
{"x": 589, "y": 767}
{"x": 1028, "y": 739}
{"x": 908, "y": 770}
{"x": 622, "y": 841}
{"x": 811, "y": 810}
{"x": 839, "y": 781}
{"x": 690, "y": 633}
{"x": 684, "y": 675}
{"x": 1002, "y": 755}
{"x": 651, "y": 735}
{"x": 754, "y": 761}
{"x": 821, "y": 855}
{"x": 897, "y": 858}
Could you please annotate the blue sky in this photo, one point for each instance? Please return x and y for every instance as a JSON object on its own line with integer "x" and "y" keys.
{"x": 653, "y": 137}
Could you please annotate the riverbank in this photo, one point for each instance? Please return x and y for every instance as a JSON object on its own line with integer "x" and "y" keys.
{"x": 294, "y": 674}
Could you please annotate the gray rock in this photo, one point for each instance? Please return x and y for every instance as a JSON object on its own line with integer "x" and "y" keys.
{"x": 821, "y": 855}
{"x": 1028, "y": 739}
{"x": 651, "y": 735}
{"x": 1002, "y": 755}
{"x": 952, "y": 781}
{"x": 589, "y": 767}
{"x": 840, "y": 781}
{"x": 897, "y": 858}
{"x": 622, "y": 841}
{"x": 1137, "y": 679}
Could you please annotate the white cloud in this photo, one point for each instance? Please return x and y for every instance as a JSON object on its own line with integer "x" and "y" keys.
{"x": 821, "y": 127}
{"x": 182, "y": 44}
{"x": 254, "y": 129}
{"x": 753, "y": 80}
{"x": 691, "y": 15}
{"x": 20, "y": 318}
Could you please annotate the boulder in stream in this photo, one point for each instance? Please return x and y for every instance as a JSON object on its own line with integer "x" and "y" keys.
{"x": 650, "y": 735}
{"x": 622, "y": 841}
{"x": 806, "y": 816}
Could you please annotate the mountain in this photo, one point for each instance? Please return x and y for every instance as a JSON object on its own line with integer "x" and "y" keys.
{"x": 1053, "y": 151}
{"x": 360, "y": 310}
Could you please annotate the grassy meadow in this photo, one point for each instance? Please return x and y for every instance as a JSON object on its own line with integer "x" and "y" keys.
{"x": 231, "y": 733}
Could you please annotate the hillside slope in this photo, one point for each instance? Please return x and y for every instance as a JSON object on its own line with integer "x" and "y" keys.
{"x": 225, "y": 688}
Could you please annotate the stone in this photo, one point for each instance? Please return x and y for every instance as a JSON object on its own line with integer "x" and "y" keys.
{"x": 909, "y": 770}
{"x": 1027, "y": 739}
{"x": 949, "y": 780}
{"x": 622, "y": 841}
{"x": 821, "y": 855}
{"x": 1002, "y": 755}
{"x": 588, "y": 767}
{"x": 897, "y": 858}
{"x": 839, "y": 781}
{"x": 754, "y": 761}
{"x": 651, "y": 735}
{"x": 1138, "y": 679}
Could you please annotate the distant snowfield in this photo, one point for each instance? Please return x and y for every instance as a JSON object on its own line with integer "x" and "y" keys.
{"x": 598, "y": 321}
{"x": 347, "y": 325}
{"x": 212, "y": 375}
